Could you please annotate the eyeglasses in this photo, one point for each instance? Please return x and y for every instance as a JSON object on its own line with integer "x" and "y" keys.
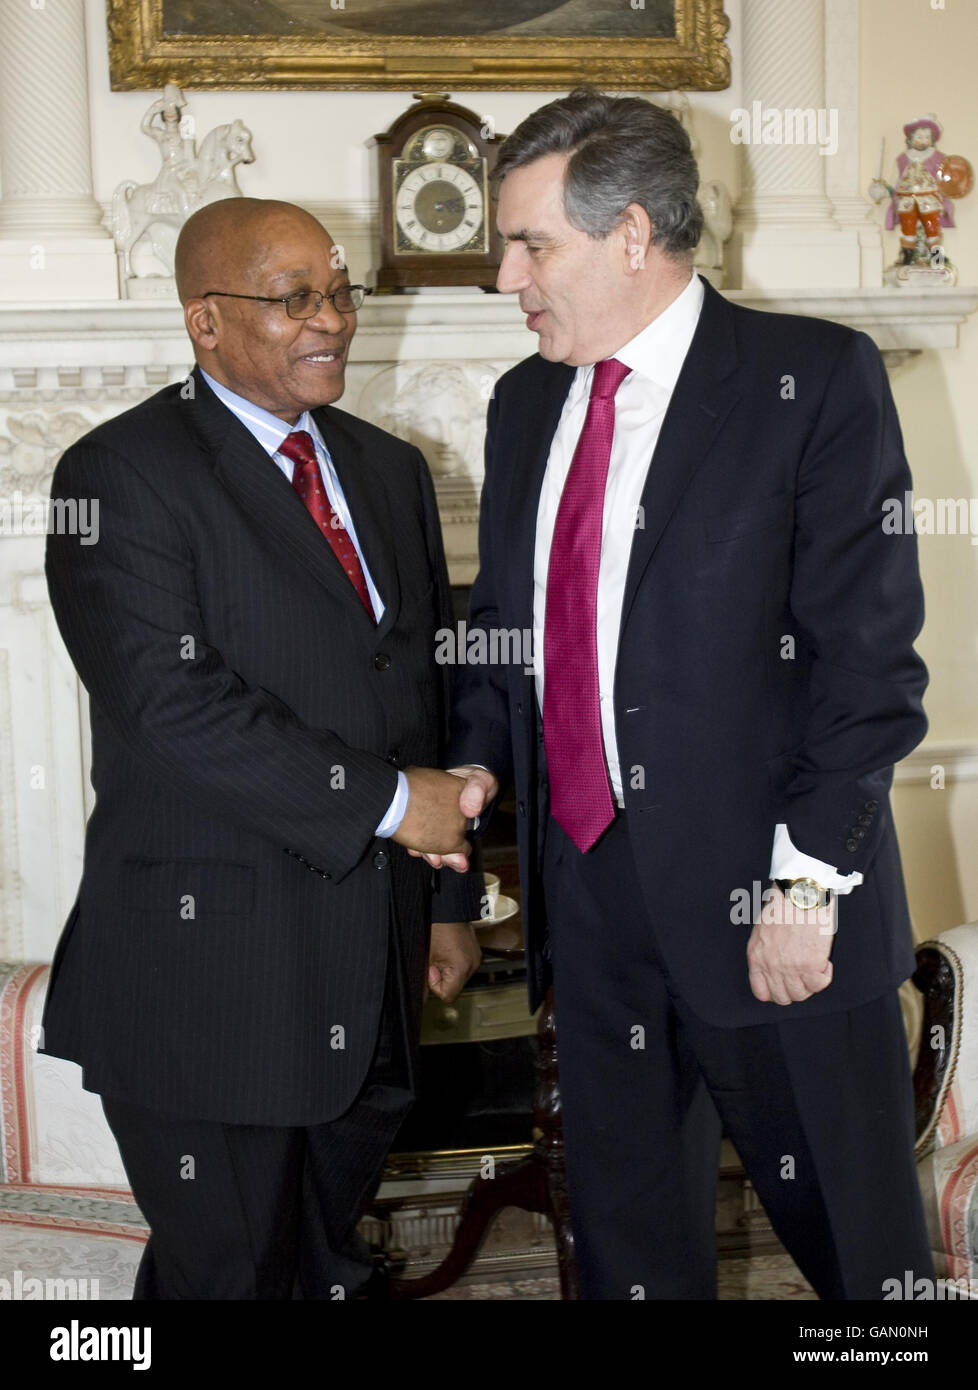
{"x": 305, "y": 304}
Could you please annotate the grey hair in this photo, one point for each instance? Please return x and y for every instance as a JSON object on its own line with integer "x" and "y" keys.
{"x": 622, "y": 150}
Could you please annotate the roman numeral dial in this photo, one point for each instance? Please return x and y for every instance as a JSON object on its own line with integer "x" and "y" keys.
{"x": 439, "y": 206}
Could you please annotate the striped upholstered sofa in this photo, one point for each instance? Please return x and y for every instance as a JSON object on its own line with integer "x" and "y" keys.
{"x": 66, "y": 1212}
{"x": 946, "y": 1087}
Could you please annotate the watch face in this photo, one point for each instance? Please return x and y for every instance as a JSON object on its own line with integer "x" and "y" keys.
{"x": 439, "y": 207}
{"x": 804, "y": 895}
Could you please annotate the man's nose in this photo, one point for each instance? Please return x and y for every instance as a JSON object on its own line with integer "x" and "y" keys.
{"x": 328, "y": 319}
{"x": 512, "y": 270}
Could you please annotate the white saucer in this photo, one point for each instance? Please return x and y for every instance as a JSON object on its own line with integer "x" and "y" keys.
{"x": 503, "y": 908}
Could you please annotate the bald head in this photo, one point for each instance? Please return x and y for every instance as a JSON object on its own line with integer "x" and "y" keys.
{"x": 231, "y": 239}
{"x": 236, "y": 262}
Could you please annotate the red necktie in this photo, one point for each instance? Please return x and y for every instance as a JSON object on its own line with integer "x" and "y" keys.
{"x": 308, "y": 483}
{"x": 580, "y": 797}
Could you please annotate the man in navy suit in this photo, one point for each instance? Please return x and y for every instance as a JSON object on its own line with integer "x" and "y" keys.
{"x": 684, "y": 501}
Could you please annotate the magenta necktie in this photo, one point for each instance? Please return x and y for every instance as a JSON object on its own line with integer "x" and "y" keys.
{"x": 580, "y": 797}
{"x": 308, "y": 483}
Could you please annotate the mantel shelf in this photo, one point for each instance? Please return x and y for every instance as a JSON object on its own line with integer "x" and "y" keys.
{"x": 150, "y": 333}
{"x": 896, "y": 319}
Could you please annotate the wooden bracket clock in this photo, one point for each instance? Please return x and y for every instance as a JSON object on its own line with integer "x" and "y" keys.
{"x": 438, "y": 223}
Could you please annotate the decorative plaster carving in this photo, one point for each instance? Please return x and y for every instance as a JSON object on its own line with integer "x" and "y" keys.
{"x": 438, "y": 406}
{"x": 31, "y": 446}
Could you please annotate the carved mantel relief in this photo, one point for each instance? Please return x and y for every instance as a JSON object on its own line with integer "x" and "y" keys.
{"x": 31, "y": 442}
{"x": 440, "y": 407}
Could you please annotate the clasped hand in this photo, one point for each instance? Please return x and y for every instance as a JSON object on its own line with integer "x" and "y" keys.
{"x": 789, "y": 949}
{"x": 440, "y": 805}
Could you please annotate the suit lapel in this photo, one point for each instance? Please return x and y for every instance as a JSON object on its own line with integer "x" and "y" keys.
{"x": 264, "y": 493}
{"x": 702, "y": 399}
{"x": 367, "y": 497}
{"x": 537, "y": 428}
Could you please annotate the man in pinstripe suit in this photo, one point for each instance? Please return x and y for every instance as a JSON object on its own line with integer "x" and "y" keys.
{"x": 242, "y": 974}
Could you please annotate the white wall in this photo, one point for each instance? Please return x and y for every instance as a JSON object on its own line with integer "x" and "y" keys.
{"x": 914, "y": 60}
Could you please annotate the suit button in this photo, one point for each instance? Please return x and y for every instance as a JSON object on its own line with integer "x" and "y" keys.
{"x": 858, "y": 832}
{"x": 865, "y": 820}
{"x": 852, "y": 846}
{"x": 380, "y": 859}
{"x": 382, "y": 662}
{"x": 290, "y": 851}
{"x": 323, "y": 873}
{"x": 522, "y": 808}
{"x": 519, "y": 707}
{"x": 872, "y": 805}
{"x": 393, "y": 757}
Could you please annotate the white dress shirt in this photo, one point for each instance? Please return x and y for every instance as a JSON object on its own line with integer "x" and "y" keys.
{"x": 271, "y": 433}
{"x": 655, "y": 356}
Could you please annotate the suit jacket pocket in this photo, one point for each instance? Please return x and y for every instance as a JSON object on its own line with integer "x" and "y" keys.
{"x": 189, "y": 889}
{"x": 764, "y": 515}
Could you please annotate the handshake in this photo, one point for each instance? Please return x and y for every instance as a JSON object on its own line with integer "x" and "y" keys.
{"x": 440, "y": 807}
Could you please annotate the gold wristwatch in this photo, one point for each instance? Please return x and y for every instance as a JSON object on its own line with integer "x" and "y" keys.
{"x": 804, "y": 893}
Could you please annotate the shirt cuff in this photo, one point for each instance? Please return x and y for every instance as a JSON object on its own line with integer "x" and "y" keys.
{"x": 395, "y": 811}
{"x": 788, "y": 862}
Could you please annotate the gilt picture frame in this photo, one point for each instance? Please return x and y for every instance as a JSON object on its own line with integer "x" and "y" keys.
{"x": 424, "y": 45}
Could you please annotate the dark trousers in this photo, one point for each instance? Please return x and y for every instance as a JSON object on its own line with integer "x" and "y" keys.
{"x": 820, "y": 1110}
{"x": 264, "y": 1212}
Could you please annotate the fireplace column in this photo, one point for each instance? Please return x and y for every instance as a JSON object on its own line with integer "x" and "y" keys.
{"x": 850, "y": 204}
{"x": 53, "y": 245}
{"x": 786, "y": 232}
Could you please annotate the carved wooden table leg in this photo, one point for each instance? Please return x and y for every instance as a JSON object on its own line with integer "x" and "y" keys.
{"x": 548, "y": 1146}
{"x": 536, "y": 1184}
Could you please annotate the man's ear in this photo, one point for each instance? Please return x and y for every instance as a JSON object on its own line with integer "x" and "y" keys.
{"x": 636, "y": 230}
{"x": 200, "y": 320}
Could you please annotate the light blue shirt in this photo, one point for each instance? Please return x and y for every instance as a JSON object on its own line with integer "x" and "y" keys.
{"x": 271, "y": 433}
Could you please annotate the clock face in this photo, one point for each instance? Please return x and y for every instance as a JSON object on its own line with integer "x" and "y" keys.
{"x": 440, "y": 206}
